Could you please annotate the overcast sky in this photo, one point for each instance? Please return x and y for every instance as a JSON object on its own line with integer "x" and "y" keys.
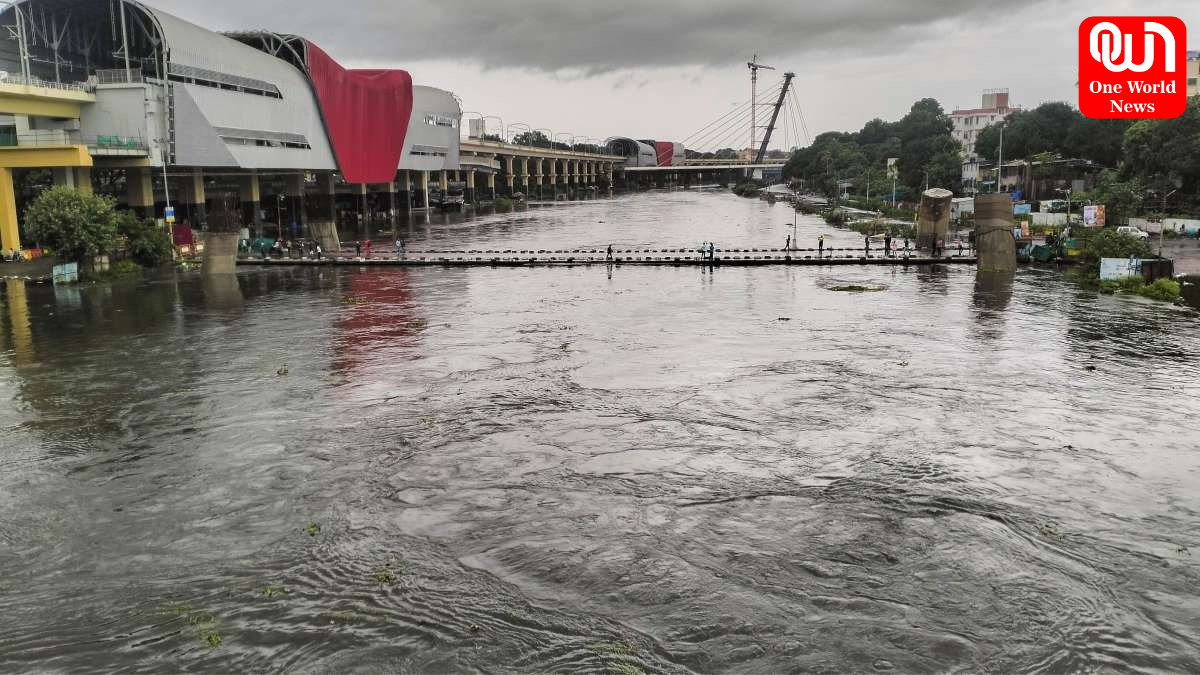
{"x": 665, "y": 69}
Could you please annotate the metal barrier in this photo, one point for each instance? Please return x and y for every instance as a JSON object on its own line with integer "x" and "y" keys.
{"x": 119, "y": 76}
{"x": 47, "y": 84}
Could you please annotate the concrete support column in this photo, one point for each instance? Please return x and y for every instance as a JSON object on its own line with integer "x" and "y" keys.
{"x": 364, "y": 212}
{"x": 445, "y": 182}
{"x": 10, "y": 236}
{"x": 193, "y": 197}
{"x": 407, "y": 182}
{"x": 293, "y": 192}
{"x": 471, "y": 185}
{"x": 553, "y": 177}
{"x": 525, "y": 175}
{"x": 393, "y": 216}
{"x": 83, "y": 180}
{"x": 323, "y": 227}
{"x": 140, "y": 189}
{"x": 510, "y": 178}
{"x": 997, "y": 249}
{"x": 64, "y": 177}
{"x": 220, "y": 253}
{"x": 251, "y": 197}
{"x": 425, "y": 190}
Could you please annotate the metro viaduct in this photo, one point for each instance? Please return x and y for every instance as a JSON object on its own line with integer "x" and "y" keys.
{"x": 233, "y": 129}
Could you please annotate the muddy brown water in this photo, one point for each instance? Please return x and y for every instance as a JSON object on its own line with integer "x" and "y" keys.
{"x": 578, "y": 470}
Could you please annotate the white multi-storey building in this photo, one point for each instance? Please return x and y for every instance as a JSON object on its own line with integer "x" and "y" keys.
{"x": 1193, "y": 73}
{"x": 968, "y": 124}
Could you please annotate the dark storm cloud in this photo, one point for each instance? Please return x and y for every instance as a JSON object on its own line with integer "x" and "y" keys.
{"x": 593, "y": 36}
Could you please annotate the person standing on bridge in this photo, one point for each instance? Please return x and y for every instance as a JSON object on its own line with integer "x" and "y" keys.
{"x": 788, "y": 246}
{"x": 887, "y": 245}
{"x": 358, "y": 249}
{"x": 867, "y": 245}
{"x": 821, "y": 247}
{"x": 609, "y": 255}
{"x": 367, "y": 249}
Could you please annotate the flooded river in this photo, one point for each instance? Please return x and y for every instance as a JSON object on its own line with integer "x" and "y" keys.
{"x": 592, "y": 470}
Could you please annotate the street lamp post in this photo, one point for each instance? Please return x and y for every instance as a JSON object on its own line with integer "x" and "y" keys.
{"x": 1067, "y": 192}
{"x": 1162, "y": 226}
{"x": 1000, "y": 164}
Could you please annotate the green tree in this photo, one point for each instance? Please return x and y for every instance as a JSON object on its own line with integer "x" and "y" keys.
{"x": 1166, "y": 153}
{"x": 535, "y": 139}
{"x": 1056, "y": 129}
{"x": 144, "y": 242}
{"x": 928, "y": 149}
{"x": 74, "y": 225}
{"x": 1122, "y": 199}
{"x": 1109, "y": 243}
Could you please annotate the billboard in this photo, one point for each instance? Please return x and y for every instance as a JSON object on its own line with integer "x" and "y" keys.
{"x": 1094, "y": 216}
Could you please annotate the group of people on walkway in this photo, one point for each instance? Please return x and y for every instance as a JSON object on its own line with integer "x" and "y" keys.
{"x": 306, "y": 249}
{"x": 13, "y": 255}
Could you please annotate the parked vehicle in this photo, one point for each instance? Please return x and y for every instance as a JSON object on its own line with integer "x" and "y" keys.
{"x": 1134, "y": 231}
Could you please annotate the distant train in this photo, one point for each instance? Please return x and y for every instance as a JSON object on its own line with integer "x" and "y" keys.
{"x": 647, "y": 152}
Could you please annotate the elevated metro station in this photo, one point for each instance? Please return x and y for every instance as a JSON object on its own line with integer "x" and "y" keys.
{"x": 253, "y": 132}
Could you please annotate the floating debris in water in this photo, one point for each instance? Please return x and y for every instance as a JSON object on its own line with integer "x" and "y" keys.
{"x": 351, "y": 300}
{"x": 785, "y": 318}
{"x": 854, "y": 288}
{"x": 273, "y": 591}
{"x": 312, "y": 529}
{"x": 282, "y": 372}
{"x": 1049, "y": 530}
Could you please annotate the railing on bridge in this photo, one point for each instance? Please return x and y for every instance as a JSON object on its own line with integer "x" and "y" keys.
{"x": 6, "y": 78}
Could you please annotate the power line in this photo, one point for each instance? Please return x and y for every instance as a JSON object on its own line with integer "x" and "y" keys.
{"x": 730, "y": 123}
{"x": 742, "y": 107}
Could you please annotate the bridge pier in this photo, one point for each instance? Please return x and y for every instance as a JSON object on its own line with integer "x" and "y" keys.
{"x": 997, "y": 249}
{"x": 425, "y": 191}
{"x": 471, "y": 186}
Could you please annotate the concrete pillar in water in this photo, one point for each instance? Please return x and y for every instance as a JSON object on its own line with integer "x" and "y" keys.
{"x": 934, "y": 223}
{"x": 994, "y": 241}
{"x": 323, "y": 228}
{"x": 425, "y": 191}
{"x": 471, "y": 185}
{"x": 222, "y": 231}
{"x": 140, "y": 191}
{"x": 509, "y": 178}
{"x": 491, "y": 183}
